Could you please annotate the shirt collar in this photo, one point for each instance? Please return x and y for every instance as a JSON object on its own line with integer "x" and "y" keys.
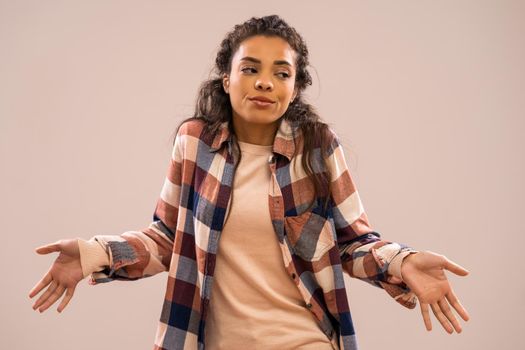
{"x": 283, "y": 142}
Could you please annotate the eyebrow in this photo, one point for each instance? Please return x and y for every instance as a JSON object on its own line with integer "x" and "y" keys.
{"x": 277, "y": 62}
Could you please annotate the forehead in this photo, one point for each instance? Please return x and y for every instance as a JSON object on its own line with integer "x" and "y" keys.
{"x": 267, "y": 49}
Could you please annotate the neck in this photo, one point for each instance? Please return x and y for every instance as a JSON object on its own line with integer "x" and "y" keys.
{"x": 258, "y": 134}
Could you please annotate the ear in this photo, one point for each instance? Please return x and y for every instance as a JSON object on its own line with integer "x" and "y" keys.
{"x": 294, "y": 94}
{"x": 225, "y": 82}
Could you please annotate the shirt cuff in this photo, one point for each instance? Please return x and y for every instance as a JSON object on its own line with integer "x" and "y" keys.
{"x": 93, "y": 256}
{"x": 395, "y": 264}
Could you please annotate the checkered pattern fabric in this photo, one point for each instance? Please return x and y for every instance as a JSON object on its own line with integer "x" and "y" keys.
{"x": 317, "y": 246}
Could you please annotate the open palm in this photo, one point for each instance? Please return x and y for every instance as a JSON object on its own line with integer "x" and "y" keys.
{"x": 424, "y": 274}
{"x": 63, "y": 275}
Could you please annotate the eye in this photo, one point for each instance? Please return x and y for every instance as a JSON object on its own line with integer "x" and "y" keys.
{"x": 247, "y": 68}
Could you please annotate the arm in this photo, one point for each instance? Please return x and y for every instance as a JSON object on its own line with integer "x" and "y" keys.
{"x": 364, "y": 255}
{"x": 394, "y": 267}
{"x": 138, "y": 254}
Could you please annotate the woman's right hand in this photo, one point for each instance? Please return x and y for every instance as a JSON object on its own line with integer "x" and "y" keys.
{"x": 62, "y": 276}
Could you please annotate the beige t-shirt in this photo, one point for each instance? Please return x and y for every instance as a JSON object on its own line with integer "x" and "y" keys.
{"x": 254, "y": 303}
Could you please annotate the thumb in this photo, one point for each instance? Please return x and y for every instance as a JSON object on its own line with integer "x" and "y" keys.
{"x": 49, "y": 248}
{"x": 455, "y": 268}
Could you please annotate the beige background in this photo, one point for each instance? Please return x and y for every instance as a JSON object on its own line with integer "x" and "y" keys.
{"x": 427, "y": 95}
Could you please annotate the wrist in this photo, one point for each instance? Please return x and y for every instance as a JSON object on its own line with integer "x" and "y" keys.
{"x": 396, "y": 265}
{"x": 93, "y": 256}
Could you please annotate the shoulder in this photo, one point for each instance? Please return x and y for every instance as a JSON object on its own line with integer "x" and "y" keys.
{"x": 191, "y": 127}
{"x": 333, "y": 140}
{"x": 186, "y": 142}
{"x": 324, "y": 136}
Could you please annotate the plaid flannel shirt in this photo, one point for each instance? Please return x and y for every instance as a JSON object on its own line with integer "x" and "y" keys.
{"x": 317, "y": 246}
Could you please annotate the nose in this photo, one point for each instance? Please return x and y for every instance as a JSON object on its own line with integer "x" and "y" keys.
{"x": 264, "y": 84}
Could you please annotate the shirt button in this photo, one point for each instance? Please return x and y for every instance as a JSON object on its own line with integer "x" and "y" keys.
{"x": 308, "y": 306}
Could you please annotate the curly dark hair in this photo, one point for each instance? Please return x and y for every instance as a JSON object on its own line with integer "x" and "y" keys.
{"x": 213, "y": 104}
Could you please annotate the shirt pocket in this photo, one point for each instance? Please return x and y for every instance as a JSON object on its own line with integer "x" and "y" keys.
{"x": 310, "y": 235}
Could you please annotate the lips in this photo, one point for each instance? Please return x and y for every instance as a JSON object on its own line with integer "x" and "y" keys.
{"x": 261, "y": 104}
{"x": 261, "y": 99}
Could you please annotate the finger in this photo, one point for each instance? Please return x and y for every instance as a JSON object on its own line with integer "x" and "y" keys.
{"x": 454, "y": 301}
{"x": 52, "y": 298}
{"x": 48, "y": 248}
{"x": 455, "y": 268}
{"x": 447, "y": 311}
{"x": 44, "y": 296}
{"x": 66, "y": 299}
{"x": 40, "y": 285}
{"x": 441, "y": 317}
{"x": 426, "y": 316}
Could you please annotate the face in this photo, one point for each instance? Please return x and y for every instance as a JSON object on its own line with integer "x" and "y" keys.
{"x": 262, "y": 68}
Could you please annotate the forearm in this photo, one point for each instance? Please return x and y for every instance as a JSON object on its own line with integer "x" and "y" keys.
{"x": 375, "y": 259}
{"x": 130, "y": 256}
{"x": 379, "y": 262}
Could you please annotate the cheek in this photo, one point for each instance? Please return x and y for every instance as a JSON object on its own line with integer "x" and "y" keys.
{"x": 237, "y": 90}
{"x": 289, "y": 88}
{"x": 236, "y": 98}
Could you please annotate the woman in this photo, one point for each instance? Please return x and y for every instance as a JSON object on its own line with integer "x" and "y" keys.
{"x": 276, "y": 278}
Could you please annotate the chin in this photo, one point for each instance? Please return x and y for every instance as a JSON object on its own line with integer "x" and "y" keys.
{"x": 261, "y": 119}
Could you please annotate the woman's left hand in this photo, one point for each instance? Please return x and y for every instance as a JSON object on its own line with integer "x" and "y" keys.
{"x": 424, "y": 274}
